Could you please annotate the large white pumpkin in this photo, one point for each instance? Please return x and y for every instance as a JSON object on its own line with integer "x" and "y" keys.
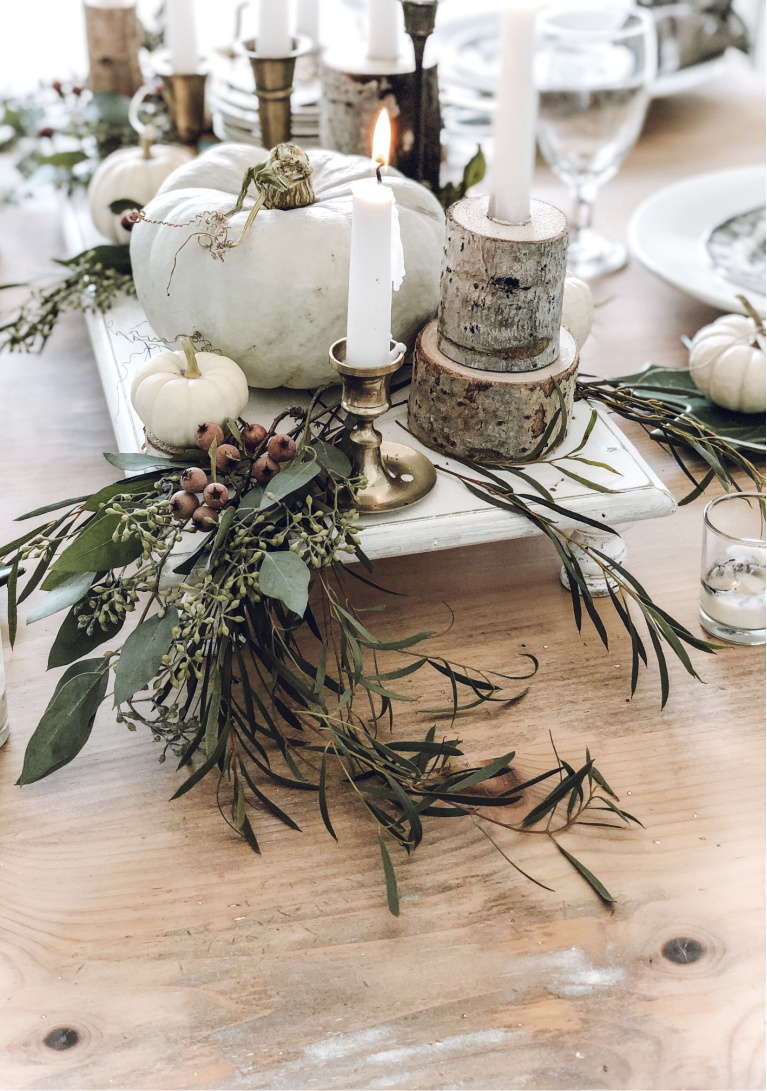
{"x": 727, "y": 364}
{"x": 130, "y": 174}
{"x": 277, "y": 302}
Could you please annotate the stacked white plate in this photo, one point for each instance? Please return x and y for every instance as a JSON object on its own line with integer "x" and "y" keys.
{"x": 234, "y": 105}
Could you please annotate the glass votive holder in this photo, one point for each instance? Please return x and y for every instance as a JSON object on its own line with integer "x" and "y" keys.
{"x": 732, "y": 573}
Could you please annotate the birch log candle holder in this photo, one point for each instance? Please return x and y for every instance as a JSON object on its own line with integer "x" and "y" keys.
{"x": 274, "y": 86}
{"x": 353, "y": 94}
{"x": 490, "y": 369}
{"x": 112, "y": 32}
{"x": 396, "y": 475}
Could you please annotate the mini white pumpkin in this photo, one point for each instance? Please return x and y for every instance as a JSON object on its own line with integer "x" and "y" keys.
{"x": 577, "y": 309}
{"x": 131, "y": 174}
{"x": 277, "y": 301}
{"x": 177, "y": 391}
{"x": 727, "y": 363}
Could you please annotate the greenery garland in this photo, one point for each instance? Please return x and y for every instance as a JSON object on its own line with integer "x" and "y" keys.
{"x": 230, "y": 667}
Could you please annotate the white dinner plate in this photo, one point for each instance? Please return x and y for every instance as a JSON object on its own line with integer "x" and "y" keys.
{"x": 668, "y": 233}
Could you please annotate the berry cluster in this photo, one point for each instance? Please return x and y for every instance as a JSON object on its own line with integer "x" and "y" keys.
{"x": 266, "y": 454}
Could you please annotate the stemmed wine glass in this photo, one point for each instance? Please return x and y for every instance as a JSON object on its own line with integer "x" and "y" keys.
{"x": 595, "y": 61}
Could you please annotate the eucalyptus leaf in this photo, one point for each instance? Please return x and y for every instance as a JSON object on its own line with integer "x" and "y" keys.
{"x": 289, "y": 481}
{"x": 67, "y": 722}
{"x": 284, "y": 576}
{"x": 332, "y": 459}
{"x": 72, "y": 642}
{"x": 141, "y": 654}
{"x": 66, "y": 593}
{"x": 94, "y": 550}
{"x": 128, "y": 461}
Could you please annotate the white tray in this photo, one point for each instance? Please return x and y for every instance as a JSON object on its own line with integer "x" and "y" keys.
{"x": 450, "y": 516}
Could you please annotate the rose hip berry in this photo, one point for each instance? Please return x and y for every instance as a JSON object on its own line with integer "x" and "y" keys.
{"x": 264, "y": 469}
{"x": 281, "y": 448}
{"x": 206, "y": 433}
{"x": 183, "y": 505}
{"x": 194, "y": 479}
{"x": 253, "y": 435}
{"x": 45, "y": 131}
{"x": 227, "y": 455}
{"x": 129, "y": 219}
{"x": 204, "y": 517}
{"x": 215, "y": 495}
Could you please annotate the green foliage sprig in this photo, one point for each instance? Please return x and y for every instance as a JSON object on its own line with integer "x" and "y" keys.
{"x": 63, "y": 130}
{"x": 528, "y": 498}
{"x": 239, "y": 678}
{"x": 94, "y": 279}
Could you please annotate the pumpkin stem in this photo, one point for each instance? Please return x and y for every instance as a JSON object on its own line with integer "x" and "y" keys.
{"x": 146, "y": 140}
{"x": 755, "y": 316}
{"x": 193, "y": 368}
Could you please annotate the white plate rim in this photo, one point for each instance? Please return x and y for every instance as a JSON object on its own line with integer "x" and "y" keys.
{"x": 702, "y": 282}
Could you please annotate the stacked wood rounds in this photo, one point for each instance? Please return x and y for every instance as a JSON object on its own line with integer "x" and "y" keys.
{"x": 353, "y": 97}
{"x": 495, "y": 367}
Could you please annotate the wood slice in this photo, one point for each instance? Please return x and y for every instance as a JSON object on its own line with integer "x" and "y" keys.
{"x": 501, "y": 287}
{"x": 485, "y": 416}
{"x": 113, "y": 45}
{"x": 352, "y": 101}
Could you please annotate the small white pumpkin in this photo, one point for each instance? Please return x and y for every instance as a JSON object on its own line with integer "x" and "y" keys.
{"x": 727, "y": 363}
{"x": 577, "y": 309}
{"x": 131, "y": 174}
{"x": 177, "y": 391}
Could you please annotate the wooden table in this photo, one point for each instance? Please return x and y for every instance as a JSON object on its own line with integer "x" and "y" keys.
{"x": 177, "y": 959}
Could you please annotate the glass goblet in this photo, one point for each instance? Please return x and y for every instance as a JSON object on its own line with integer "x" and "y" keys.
{"x": 594, "y": 65}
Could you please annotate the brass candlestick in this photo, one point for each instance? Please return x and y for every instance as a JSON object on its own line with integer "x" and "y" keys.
{"x": 184, "y": 94}
{"x": 274, "y": 86}
{"x": 420, "y": 16}
{"x": 396, "y": 475}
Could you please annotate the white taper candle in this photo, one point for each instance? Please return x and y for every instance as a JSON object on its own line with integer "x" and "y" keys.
{"x": 181, "y": 36}
{"x": 273, "y": 37}
{"x": 515, "y": 119}
{"x": 383, "y": 29}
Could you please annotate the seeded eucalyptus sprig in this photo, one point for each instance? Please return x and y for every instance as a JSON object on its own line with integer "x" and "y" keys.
{"x": 94, "y": 279}
{"x": 238, "y": 677}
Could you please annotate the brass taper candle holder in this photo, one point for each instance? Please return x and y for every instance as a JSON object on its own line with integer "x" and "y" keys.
{"x": 396, "y": 474}
{"x": 274, "y": 86}
{"x": 184, "y": 95}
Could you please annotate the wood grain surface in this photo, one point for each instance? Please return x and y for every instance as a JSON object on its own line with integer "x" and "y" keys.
{"x": 143, "y": 945}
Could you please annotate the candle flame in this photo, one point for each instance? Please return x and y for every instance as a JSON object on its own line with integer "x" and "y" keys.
{"x": 382, "y": 139}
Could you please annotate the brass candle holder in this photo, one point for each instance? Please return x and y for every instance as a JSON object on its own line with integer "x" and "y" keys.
{"x": 184, "y": 94}
{"x": 396, "y": 475}
{"x": 274, "y": 86}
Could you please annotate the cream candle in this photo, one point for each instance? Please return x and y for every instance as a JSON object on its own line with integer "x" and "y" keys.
{"x": 515, "y": 119}
{"x": 375, "y": 260}
{"x": 181, "y": 36}
{"x": 273, "y": 37}
{"x": 308, "y": 19}
{"x": 383, "y": 29}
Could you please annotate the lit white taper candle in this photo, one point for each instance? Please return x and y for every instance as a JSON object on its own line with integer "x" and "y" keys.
{"x": 516, "y": 114}
{"x": 273, "y": 37}
{"x": 383, "y": 29}
{"x": 375, "y": 261}
{"x": 181, "y": 36}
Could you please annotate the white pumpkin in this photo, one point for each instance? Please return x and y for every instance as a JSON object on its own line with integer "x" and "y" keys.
{"x": 177, "y": 391}
{"x": 131, "y": 174}
{"x": 727, "y": 363}
{"x": 577, "y": 309}
{"x": 277, "y": 302}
